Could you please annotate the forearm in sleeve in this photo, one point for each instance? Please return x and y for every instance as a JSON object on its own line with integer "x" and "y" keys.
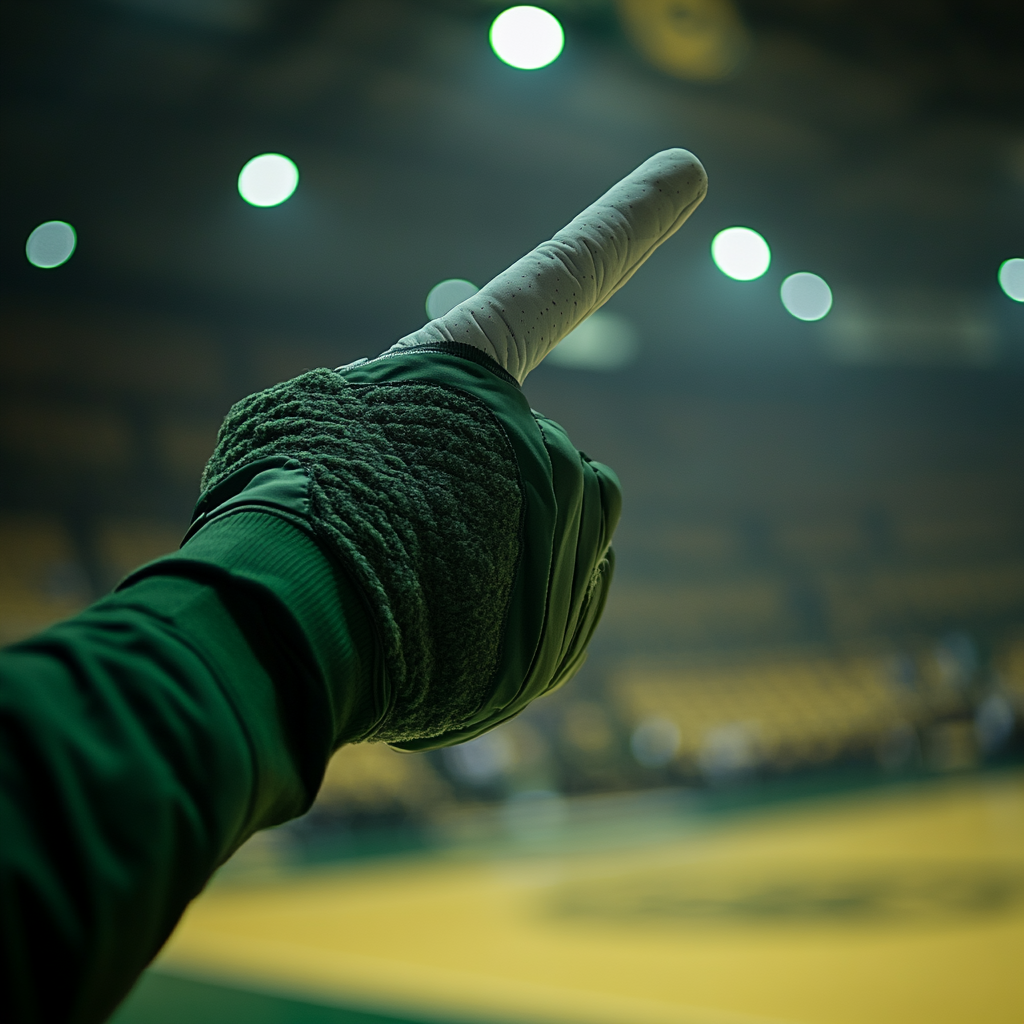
{"x": 144, "y": 740}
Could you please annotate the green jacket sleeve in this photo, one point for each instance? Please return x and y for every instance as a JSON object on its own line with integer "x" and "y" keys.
{"x": 144, "y": 740}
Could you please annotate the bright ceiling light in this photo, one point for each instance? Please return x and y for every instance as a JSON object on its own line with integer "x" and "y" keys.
{"x": 806, "y": 296}
{"x": 446, "y": 295}
{"x": 698, "y": 40}
{"x": 1011, "y": 278}
{"x": 51, "y": 244}
{"x": 741, "y": 253}
{"x": 527, "y": 37}
{"x": 654, "y": 742}
{"x": 604, "y": 341}
{"x": 268, "y": 179}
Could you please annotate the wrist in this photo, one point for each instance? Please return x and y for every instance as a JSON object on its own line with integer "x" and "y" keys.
{"x": 311, "y": 620}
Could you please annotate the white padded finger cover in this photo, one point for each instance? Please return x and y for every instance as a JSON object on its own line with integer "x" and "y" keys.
{"x": 525, "y": 311}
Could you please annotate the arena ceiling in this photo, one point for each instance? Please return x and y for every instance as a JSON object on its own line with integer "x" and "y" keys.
{"x": 881, "y": 144}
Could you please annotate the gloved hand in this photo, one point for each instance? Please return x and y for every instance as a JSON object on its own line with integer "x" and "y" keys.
{"x": 477, "y": 534}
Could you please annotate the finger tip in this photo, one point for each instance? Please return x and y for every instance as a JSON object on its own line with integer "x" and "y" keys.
{"x": 680, "y": 169}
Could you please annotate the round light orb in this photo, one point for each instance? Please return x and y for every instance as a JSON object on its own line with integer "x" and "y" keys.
{"x": 268, "y": 180}
{"x": 446, "y": 295}
{"x": 1011, "y": 278}
{"x": 527, "y": 37}
{"x": 806, "y": 296}
{"x": 654, "y": 742}
{"x": 741, "y": 253}
{"x": 51, "y": 244}
{"x": 604, "y": 341}
{"x": 482, "y": 760}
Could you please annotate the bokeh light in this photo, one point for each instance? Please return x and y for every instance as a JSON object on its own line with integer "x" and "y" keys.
{"x": 604, "y": 341}
{"x": 480, "y": 761}
{"x": 268, "y": 179}
{"x": 51, "y": 244}
{"x": 654, "y": 742}
{"x": 728, "y": 752}
{"x": 806, "y": 296}
{"x": 741, "y": 253}
{"x": 447, "y": 294}
{"x": 1011, "y": 278}
{"x": 527, "y": 37}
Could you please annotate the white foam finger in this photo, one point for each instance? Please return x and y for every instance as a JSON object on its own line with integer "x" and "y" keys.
{"x": 525, "y": 311}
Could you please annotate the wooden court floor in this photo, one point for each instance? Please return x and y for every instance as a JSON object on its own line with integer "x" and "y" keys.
{"x": 892, "y": 906}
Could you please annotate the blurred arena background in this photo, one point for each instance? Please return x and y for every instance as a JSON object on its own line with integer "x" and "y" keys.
{"x": 787, "y": 785}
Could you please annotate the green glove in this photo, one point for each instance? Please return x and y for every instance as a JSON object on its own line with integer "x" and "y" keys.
{"x": 477, "y": 534}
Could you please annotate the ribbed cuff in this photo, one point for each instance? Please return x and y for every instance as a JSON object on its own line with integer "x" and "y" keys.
{"x": 264, "y": 553}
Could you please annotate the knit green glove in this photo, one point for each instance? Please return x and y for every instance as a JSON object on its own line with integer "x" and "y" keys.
{"x": 477, "y": 534}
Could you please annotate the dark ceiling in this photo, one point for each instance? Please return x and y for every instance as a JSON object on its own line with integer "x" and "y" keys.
{"x": 878, "y": 144}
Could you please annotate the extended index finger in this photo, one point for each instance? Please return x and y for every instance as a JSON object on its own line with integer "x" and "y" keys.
{"x": 519, "y": 316}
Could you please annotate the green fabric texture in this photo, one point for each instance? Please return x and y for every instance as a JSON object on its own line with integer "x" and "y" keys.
{"x": 478, "y": 533}
{"x": 144, "y": 740}
{"x": 130, "y": 771}
{"x": 415, "y": 489}
{"x": 257, "y": 539}
{"x": 571, "y": 506}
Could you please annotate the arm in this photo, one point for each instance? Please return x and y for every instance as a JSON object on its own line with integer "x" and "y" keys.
{"x": 143, "y": 741}
{"x": 402, "y": 551}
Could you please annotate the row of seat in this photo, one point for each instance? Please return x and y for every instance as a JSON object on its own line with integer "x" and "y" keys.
{"x": 42, "y": 570}
{"x": 42, "y": 579}
{"x": 803, "y": 709}
{"x": 886, "y": 527}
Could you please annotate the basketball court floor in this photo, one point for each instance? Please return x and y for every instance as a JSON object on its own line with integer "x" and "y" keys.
{"x": 892, "y": 905}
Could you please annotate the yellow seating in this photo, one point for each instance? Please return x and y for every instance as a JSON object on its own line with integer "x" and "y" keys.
{"x": 41, "y": 580}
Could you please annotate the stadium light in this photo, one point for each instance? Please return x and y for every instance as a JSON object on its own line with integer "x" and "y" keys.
{"x": 806, "y": 296}
{"x": 268, "y": 180}
{"x": 527, "y": 37}
{"x": 1011, "y": 278}
{"x": 741, "y": 253}
{"x": 447, "y": 294}
{"x": 51, "y": 244}
{"x": 604, "y": 341}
